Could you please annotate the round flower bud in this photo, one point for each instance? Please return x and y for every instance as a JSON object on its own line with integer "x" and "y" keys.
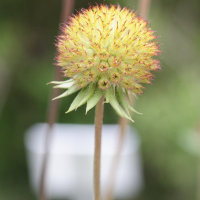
{"x": 107, "y": 48}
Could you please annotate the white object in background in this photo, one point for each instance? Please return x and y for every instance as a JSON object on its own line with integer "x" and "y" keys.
{"x": 70, "y": 167}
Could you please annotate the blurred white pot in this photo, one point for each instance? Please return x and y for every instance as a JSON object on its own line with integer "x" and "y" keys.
{"x": 70, "y": 168}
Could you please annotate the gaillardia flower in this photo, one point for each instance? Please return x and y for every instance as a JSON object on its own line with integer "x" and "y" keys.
{"x": 106, "y": 51}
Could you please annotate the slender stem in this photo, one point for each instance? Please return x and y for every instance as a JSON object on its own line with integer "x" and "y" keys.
{"x": 52, "y": 110}
{"x": 113, "y": 170}
{"x": 144, "y": 6}
{"x": 97, "y": 151}
{"x": 47, "y": 142}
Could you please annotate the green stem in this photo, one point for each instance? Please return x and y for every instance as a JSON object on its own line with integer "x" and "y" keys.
{"x": 97, "y": 151}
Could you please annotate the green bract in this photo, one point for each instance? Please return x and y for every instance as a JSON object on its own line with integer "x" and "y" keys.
{"x": 116, "y": 95}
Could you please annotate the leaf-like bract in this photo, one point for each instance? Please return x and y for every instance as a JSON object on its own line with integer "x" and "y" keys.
{"x": 91, "y": 89}
{"x": 65, "y": 85}
{"x": 60, "y": 82}
{"x": 71, "y": 90}
{"x": 121, "y": 98}
{"x": 123, "y": 101}
{"x": 93, "y": 100}
{"x": 80, "y": 96}
{"x": 114, "y": 103}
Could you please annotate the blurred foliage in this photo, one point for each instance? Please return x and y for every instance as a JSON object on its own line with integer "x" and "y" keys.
{"x": 171, "y": 105}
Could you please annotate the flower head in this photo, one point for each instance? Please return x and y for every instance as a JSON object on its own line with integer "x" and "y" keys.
{"x": 106, "y": 50}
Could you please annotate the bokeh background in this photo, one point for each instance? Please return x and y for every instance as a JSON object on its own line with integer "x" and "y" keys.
{"x": 171, "y": 105}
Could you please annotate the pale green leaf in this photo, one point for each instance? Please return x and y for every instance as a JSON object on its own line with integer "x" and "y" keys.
{"x": 78, "y": 99}
{"x": 133, "y": 110}
{"x": 93, "y": 100}
{"x": 91, "y": 89}
{"x": 121, "y": 98}
{"x": 129, "y": 106}
{"x": 127, "y": 95}
{"x": 64, "y": 85}
{"x": 61, "y": 82}
{"x": 71, "y": 90}
{"x": 114, "y": 103}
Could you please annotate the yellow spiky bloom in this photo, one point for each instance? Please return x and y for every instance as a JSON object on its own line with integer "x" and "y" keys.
{"x": 106, "y": 50}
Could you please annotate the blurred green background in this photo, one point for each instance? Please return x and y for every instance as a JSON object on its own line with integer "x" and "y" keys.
{"x": 171, "y": 105}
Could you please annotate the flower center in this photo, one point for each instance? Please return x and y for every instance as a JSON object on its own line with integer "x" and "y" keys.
{"x": 103, "y": 66}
